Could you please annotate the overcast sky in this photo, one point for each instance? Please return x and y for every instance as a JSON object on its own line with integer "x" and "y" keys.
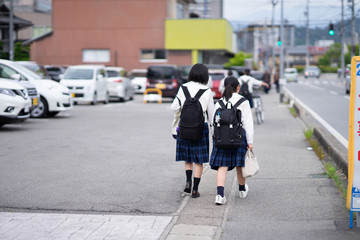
{"x": 259, "y": 11}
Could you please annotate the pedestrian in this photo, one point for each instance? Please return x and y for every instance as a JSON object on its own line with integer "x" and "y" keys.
{"x": 221, "y": 85}
{"x": 249, "y": 82}
{"x": 267, "y": 79}
{"x": 193, "y": 152}
{"x": 276, "y": 80}
{"x": 226, "y": 159}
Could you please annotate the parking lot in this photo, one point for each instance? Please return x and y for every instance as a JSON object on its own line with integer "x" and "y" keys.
{"x": 117, "y": 157}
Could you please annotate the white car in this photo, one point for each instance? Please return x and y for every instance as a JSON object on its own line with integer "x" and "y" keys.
{"x": 138, "y": 79}
{"x": 119, "y": 85}
{"x": 291, "y": 74}
{"x": 54, "y": 97}
{"x": 87, "y": 83}
{"x": 14, "y": 102}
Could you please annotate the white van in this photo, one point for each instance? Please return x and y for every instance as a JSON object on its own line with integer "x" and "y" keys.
{"x": 87, "y": 83}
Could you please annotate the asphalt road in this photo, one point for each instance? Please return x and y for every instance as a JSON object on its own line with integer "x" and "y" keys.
{"x": 118, "y": 158}
{"x": 326, "y": 96}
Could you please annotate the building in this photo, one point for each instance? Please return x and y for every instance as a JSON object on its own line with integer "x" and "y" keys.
{"x": 207, "y": 8}
{"x": 131, "y": 34}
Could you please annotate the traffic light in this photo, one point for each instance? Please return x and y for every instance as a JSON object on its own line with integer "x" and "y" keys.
{"x": 279, "y": 41}
{"x": 331, "y": 29}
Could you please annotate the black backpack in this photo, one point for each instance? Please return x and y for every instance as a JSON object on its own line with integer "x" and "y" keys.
{"x": 244, "y": 89}
{"x": 228, "y": 129}
{"x": 192, "y": 119}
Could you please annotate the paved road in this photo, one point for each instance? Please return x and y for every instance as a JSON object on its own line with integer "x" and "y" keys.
{"x": 325, "y": 96}
{"x": 105, "y": 158}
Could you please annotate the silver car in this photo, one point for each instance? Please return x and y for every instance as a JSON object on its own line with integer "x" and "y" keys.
{"x": 312, "y": 71}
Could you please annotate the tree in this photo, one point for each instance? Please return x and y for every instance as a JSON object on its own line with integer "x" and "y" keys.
{"x": 238, "y": 59}
{"x": 21, "y": 53}
{"x": 332, "y": 56}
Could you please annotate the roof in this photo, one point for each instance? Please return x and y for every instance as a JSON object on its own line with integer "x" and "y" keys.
{"x": 19, "y": 23}
{"x": 30, "y": 41}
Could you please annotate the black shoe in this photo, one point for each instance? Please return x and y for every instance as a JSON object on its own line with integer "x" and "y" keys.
{"x": 195, "y": 194}
{"x": 188, "y": 187}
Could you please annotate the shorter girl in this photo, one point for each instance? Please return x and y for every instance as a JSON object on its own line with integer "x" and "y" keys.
{"x": 224, "y": 160}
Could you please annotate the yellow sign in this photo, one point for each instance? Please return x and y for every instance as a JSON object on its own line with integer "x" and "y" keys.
{"x": 35, "y": 101}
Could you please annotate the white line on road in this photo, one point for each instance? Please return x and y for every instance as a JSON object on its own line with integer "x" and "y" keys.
{"x": 333, "y": 93}
{"x": 347, "y": 97}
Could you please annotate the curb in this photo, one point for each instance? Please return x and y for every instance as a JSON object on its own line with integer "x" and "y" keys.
{"x": 332, "y": 142}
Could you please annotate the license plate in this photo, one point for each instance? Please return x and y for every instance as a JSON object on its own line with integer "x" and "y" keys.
{"x": 73, "y": 95}
{"x": 35, "y": 101}
{"x": 160, "y": 85}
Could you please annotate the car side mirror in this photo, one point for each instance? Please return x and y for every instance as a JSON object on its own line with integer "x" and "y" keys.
{"x": 61, "y": 76}
{"x": 16, "y": 76}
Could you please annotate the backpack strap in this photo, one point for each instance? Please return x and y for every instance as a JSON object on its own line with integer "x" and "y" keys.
{"x": 222, "y": 105}
{"x": 239, "y": 102}
{"x": 197, "y": 96}
{"x": 186, "y": 92}
{"x": 199, "y": 93}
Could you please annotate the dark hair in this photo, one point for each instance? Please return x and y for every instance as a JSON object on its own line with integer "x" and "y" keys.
{"x": 247, "y": 71}
{"x": 231, "y": 83}
{"x": 230, "y": 73}
{"x": 199, "y": 73}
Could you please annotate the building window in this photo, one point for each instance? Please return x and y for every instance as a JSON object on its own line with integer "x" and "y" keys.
{"x": 95, "y": 55}
{"x": 153, "y": 55}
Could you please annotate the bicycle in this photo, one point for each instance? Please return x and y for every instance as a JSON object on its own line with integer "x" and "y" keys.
{"x": 258, "y": 107}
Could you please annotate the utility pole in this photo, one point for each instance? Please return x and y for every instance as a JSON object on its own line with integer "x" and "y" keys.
{"x": 352, "y": 28}
{"x": 11, "y": 31}
{"x": 274, "y": 2}
{"x": 307, "y": 34}
{"x": 342, "y": 42}
{"x": 205, "y": 8}
{"x": 282, "y": 52}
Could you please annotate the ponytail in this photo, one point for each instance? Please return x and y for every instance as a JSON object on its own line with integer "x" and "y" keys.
{"x": 231, "y": 84}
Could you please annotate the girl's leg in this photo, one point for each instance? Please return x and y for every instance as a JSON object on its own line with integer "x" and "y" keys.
{"x": 197, "y": 178}
{"x": 240, "y": 178}
{"x": 188, "y": 172}
{"x": 220, "y": 180}
{"x": 243, "y": 188}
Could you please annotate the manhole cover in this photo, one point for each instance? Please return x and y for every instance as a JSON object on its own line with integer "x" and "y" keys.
{"x": 318, "y": 175}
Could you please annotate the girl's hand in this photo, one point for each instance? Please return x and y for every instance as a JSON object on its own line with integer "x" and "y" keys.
{"x": 250, "y": 146}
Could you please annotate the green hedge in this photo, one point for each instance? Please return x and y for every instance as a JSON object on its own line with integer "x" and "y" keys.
{"x": 328, "y": 69}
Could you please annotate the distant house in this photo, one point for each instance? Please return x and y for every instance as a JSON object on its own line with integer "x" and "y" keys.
{"x": 132, "y": 34}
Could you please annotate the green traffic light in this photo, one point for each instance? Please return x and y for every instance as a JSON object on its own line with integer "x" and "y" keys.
{"x": 331, "y": 32}
{"x": 279, "y": 43}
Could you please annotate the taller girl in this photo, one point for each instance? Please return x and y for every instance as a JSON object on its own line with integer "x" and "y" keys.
{"x": 194, "y": 152}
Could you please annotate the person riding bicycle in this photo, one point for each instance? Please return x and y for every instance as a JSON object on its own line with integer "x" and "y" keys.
{"x": 250, "y": 82}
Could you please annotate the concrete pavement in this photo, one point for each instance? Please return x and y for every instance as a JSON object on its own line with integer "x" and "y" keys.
{"x": 289, "y": 199}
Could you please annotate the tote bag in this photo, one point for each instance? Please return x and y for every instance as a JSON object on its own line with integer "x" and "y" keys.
{"x": 251, "y": 165}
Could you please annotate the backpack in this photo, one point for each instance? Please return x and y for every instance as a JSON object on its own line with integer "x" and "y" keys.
{"x": 192, "y": 119}
{"x": 244, "y": 90}
{"x": 228, "y": 129}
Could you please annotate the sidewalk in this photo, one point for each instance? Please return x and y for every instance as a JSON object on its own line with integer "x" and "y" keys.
{"x": 286, "y": 200}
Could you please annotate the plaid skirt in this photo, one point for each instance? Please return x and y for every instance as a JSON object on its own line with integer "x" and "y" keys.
{"x": 194, "y": 151}
{"x": 231, "y": 158}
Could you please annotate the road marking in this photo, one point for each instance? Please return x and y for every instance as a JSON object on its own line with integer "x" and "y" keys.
{"x": 333, "y": 93}
{"x": 325, "y": 82}
{"x": 332, "y": 130}
{"x": 316, "y": 81}
{"x": 347, "y": 97}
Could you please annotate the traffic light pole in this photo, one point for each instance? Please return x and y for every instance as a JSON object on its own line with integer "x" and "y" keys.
{"x": 11, "y": 32}
{"x": 307, "y": 34}
{"x": 342, "y": 42}
{"x": 281, "y": 80}
{"x": 274, "y": 2}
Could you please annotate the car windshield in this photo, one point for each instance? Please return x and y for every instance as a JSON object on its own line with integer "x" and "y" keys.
{"x": 78, "y": 73}
{"x": 290, "y": 71}
{"x": 161, "y": 72}
{"x": 112, "y": 73}
{"x": 138, "y": 74}
{"x": 312, "y": 68}
{"x": 217, "y": 76}
{"x": 29, "y": 72}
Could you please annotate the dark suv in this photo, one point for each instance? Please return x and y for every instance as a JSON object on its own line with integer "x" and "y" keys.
{"x": 164, "y": 77}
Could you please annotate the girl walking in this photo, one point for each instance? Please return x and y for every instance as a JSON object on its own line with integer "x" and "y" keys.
{"x": 226, "y": 159}
{"x": 194, "y": 152}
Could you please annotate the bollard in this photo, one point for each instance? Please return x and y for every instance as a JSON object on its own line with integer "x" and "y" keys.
{"x": 157, "y": 96}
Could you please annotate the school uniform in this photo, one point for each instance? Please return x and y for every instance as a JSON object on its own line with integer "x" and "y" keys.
{"x": 187, "y": 150}
{"x": 251, "y": 83}
{"x": 231, "y": 158}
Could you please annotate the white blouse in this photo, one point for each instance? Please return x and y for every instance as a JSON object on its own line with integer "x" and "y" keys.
{"x": 246, "y": 115}
{"x": 206, "y": 100}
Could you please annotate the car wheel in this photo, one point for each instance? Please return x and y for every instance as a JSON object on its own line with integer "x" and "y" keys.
{"x": 2, "y": 124}
{"x": 75, "y": 103}
{"x": 52, "y": 114}
{"x": 41, "y": 109}
{"x": 107, "y": 98}
{"x": 94, "y": 101}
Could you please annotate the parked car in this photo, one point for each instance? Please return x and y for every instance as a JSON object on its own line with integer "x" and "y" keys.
{"x": 87, "y": 83}
{"x": 119, "y": 85}
{"x": 54, "y": 72}
{"x": 14, "y": 102}
{"x": 138, "y": 79}
{"x": 164, "y": 77}
{"x": 53, "y": 97}
{"x": 9, "y": 73}
{"x": 39, "y": 69}
{"x": 184, "y": 75}
{"x": 291, "y": 74}
{"x": 217, "y": 75}
{"x": 312, "y": 71}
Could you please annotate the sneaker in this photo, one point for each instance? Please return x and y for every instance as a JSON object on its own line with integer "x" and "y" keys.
{"x": 243, "y": 194}
{"x": 219, "y": 200}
